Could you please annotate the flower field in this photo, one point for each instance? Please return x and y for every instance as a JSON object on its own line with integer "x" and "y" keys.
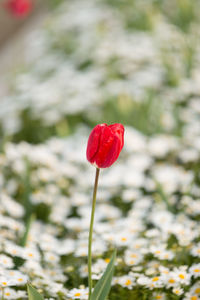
{"x": 104, "y": 61}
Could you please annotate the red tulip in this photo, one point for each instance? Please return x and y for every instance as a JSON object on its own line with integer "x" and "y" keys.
{"x": 105, "y": 144}
{"x": 19, "y": 8}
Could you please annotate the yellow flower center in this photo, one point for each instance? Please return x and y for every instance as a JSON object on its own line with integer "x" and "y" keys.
{"x": 20, "y": 279}
{"x": 133, "y": 255}
{"x": 193, "y": 298}
{"x": 77, "y": 294}
{"x": 196, "y": 270}
{"x": 107, "y": 260}
{"x": 197, "y": 291}
{"x": 128, "y": 282}
{"x": 171, "y": 280}
{"x": 181, "y": 276}
{"x": 11, "y": 273}
{"x": 4, "y": 283}
{"x": 53, "y": 273}
{"x": 155, "y": 279}
{"x": 123, "y": 239}
{"x": 158, "y": 297}
{"x": 7, "y": 294}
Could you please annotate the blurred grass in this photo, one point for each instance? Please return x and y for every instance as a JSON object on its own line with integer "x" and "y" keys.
{"x": 144, "y": 116}
{"x": 140, "y": 14}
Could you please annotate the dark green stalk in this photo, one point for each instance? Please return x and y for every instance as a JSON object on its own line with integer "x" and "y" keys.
{"x": 90, "y": 234}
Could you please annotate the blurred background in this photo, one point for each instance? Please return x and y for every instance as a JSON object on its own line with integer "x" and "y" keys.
{"x": 66, "y": 66}
{"x": 70, "y": 62}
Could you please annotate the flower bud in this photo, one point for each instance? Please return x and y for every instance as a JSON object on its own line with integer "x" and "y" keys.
{"x": 105, "y": 144}
{"x": 19, "y": 8}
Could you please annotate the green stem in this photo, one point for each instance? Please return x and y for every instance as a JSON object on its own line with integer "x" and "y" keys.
{"x": 90, "y": 234}
{"x": 26, "y": 233}
{"x": 2, "y": 295}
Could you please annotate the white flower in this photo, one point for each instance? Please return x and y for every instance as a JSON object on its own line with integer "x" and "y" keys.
{"x": 6, "y": 261}
{"x": 78, "y": 294}
{"x": 13, "y": 249}
{"x": 123, "y": 238}
{"x": 132, "y": 257}
{"x": 127, "y": 281}
{"x": 191, "y": 296}
{"x": 195, "y": 251}
{"x": 195, "y": 270}
{"x": 20, "y": 279}
{"x": 31, "y": 254}
{"x": 51, "y": 258}
{"x": 161, "y": 252}
{"x": 99, "y": 267}
{"x": 195, "y": 289}
{"x": 161, "y": 145}
{"x": 6, "y": 281}
{"x": 159, "y": 296}
{"x": 12, "y": 294}
{"x": 183, "y": 277}
{"x": 155, "y": 282}
{"x": 170, "y": 279}
{"x": 12, "y": 207}
{"x": 178, "y": 291}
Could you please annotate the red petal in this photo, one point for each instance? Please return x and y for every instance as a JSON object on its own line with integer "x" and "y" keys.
{"x": 105, "y": 144}
{"x": 117, "y": 145}
{"x": 94, "y": 142}
{"x": 19, "y": 7}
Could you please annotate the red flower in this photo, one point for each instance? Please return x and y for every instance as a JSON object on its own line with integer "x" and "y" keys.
{"x": 105, "y": 144}
{"x": 19, "y": 8}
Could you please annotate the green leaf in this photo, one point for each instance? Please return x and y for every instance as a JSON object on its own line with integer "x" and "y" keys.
{"x": 103, "y": 286}
{"x": 29, "y": 222}
{"x": 33, "y": 293}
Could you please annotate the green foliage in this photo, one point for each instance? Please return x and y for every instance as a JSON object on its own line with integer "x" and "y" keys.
{"x": 103, "y": 286}
{"x": 34, "y": 131}
{"x": 119, "y": 293}
{"x": 143, "y": 115}
{"x": 181, "y": 12}
{"x": 140, "y": 14}
{"x": 33, "y": 293}
{"x": 135, "y": 15}
{"x": 123, "y": 206}
{"x": 27, "y": 229}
